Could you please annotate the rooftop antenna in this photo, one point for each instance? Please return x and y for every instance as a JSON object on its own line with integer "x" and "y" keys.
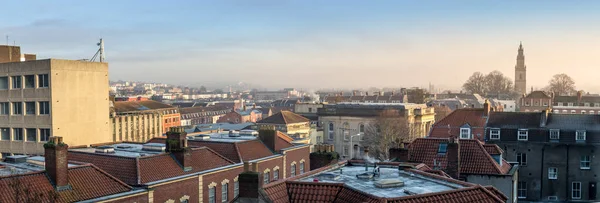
{"x": 99, "y": 52}
{"x": 6, "y": 40}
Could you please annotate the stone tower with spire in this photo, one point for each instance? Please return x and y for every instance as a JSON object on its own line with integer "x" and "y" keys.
{"x": 521, "y": 72}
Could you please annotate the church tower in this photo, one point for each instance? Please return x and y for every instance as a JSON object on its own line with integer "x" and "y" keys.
{"x": 521, "y": 72}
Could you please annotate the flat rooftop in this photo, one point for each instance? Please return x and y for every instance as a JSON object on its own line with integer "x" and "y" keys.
{"x": 414, "y": 184}
{"x": 223, "y": 137}
{"x": 125, "y": 149}
{"x": 23, "y": 165}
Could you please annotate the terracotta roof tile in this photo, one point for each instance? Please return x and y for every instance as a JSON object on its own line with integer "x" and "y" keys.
{"x": 475, "y": 194}
{"x": 283, "y": 141}
{"x": 284, "y": 117}
{"x": 474, "y": 158}
{"x": 227, "y": 149}
{"x": 277, "y": 192}
{"x": 313, "y": 192}
{"x": 253, "y": 149}
{"x": 124, "y": 168}
{"x": 347, "y": 195}
{"x": 87, "y": 182}
{"x": 492, "y": 149}
{"x": 450, "y": 125}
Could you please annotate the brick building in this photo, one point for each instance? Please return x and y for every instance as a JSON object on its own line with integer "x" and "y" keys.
{"x": 535, "y": 101}
{"x": 202, "y": 115}
{"x": 241, "y": 116}
{"x": 175, "y": 169}
{"x": 578, "y": 104}
{"x": 467, "y": 123}
{"x": 170, "y": 115}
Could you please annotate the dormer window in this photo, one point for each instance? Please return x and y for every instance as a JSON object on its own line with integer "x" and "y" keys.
{"x": 554, "y": 135}
{"x": 497, "y": 158}
{"x": 465, "y": 133}
{"x": 580, "y": 136}
{"x": 523, "y": 135}
{"x": 495, "y": 134}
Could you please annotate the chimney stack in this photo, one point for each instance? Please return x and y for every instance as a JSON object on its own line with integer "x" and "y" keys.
{"x": 56, "y": 163}
{"x": 544, "y": 118}
{"x": 453, "y": 158}
{"x": 579, "y": 96}
{"x": 249, "y": 184}
{"x": 267, "y": 135}
{"x": 176, "y": 144}
{"x": 486, "y": 108}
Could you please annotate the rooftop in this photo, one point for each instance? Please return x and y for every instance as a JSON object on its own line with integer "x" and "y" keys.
{"x": 284, "y": 117}
{"x": 130, "y": 106}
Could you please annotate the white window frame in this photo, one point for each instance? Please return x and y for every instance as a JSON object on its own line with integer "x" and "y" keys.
{"x": 585, "y": 162}
{"x": 293, "y": 170}
{"x": 556, "y": 136}
{"x": 526, "y": 135}
{"x": 521, "y": 163}
{"x": 570, "y": 104}
{"x": 212, "y": 194}
{"x": 573, "y": 190}
{"x": 579, "y": 136}
{"x": 519, "y": 190}
{"x": 266, "y": 178}
{"x": 275, "y": 175}
{"x": 495, "y": 133}
{"x": 552, "y": 173}
{"x": 302, "y": 168}
{"x": 224, "y": 192}
{"x": 331, "y": 130}
{"x": 236, "y": 188}
{"x": 468, "y": 131}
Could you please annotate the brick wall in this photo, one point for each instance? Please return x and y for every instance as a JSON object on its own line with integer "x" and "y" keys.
{"x": 271, "y": 164}
{"x": 231, "y": 117}
{"x": 141, "y": 198}
{"x": 218, "y": 179}
{"x": 297, "y": 156}
{"x": 176, "y": 190}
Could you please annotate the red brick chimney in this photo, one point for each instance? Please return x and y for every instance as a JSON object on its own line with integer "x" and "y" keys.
{"x": 453, "y": 153}
{"x": 267, "y": 135}
{"x": 579, "y": 96}
{"x": 176, "y": 144}
{"x": 55, "y": 153}
{"x": 249, "y": 183}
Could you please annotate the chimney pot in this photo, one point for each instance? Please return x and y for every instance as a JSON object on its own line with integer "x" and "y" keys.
{"x": 176, "y": 144}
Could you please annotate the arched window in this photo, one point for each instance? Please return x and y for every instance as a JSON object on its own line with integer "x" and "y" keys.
{"x": 361, "y": 128}
{"x": 331, "y": 131}
{"x": 592, "y": 112}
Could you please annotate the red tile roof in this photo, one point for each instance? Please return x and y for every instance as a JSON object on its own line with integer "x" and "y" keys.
{"x": 492, "y": 149}
{"x": 284, "y": 117}
{"x": 141, "y": 170}
{"x": 283, "y": 141}
{"x": 450, "y": 125}
{"x": 253, "y": 149}
{"x": 475, "y": 194}
{"x": 86, "y": 181}
{"x": 474, "y": 159}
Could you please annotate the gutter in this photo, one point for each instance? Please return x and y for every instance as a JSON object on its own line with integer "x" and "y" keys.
{"x": 109, "y": 197}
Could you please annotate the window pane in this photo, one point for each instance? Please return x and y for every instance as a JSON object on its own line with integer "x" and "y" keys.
{"x": 43, "y": 80}
{"x": 3, "y": 83}
{"x": 224, "y": 192}
{"x": 211, "y": 195}
{"x": 301, "y": 168}
{"x": 16, "y": 82}
{"x": 4, "y": 108}
{"x": 266, "y": 178}
{"x": 30, "y": 108}
{"x": 236, "y": 189}
{"x": 17, "y": 108}
{"x": 31, "y": 134}
{"x": 17, "y": 134}
{"x": 44, "y": 108}
{"x": 44, "y": 135}
{"x": 4, "y": 134}
{"x": 29, "y": 81}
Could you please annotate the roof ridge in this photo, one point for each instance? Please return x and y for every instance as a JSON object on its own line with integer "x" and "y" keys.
{"x": 214, "y": 152}
{"x": 110, "y": 176}
{"x": 490, "y": 158}
{"x": 490, "y": 193}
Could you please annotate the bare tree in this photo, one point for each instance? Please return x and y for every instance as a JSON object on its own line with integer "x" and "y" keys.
{"x": 497, "y": 83}
{"x": 561, "y": 84}
{"x": 476, "y": 84}
{"x": 388, "y": 130}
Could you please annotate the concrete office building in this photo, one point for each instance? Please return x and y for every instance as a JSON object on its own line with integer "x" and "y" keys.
{"x": 42, "y": 98}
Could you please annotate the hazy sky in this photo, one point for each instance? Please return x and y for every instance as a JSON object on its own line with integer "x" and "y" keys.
{"x": 314, "y": 44}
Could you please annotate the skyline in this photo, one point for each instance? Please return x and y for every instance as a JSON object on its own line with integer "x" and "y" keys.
{"x": 368, "y": 45}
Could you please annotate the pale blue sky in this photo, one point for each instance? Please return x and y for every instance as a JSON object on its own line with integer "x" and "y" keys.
{"x": 312, "y": 44}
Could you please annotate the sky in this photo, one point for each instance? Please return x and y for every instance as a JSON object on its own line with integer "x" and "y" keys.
{"x": 315, "y": 44}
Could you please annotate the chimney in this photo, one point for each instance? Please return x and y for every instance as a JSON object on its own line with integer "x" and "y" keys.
{"x": 267, "y": 135}
{"x": 367, "y": 93}
{"x": 486, "y": 108}
{"x": 579, "y": 95}
{"x": 453, "y": 153}
{"x": 56, "y": 163}
{"x": 249, "y": 184}
{"x": 176, "y": 144}
{"x": 544, "y": 117}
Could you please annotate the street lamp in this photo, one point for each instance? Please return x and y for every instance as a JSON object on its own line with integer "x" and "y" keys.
{"x": 352, "y": 146}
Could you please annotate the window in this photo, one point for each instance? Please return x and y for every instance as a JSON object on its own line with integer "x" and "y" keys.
{"x": 554, "y": 134}
{"x": 580, "y": 135}
{"x": 211, "y": 195}
{"x": 583, "y": 112}
{"x": 565, "y": 111}
{"x": 584, "y": 162}
{"x": 4, "y": 109}
{"x": 346, "y": 134}
{"x": 592, "y": 112}
{"x": 236, "y": 188}
{"x": 559, "y": 104}
{"x": 293, "y": 170}
{"x": 552, "y": 198}
{"x": 302, "y": 168}
{"x": 586, "y": 104}
{"x": 442, "y": 148}
{"x": 4, "y": 134}
{"x": 44, "y": 135}
{"x": 17, "y": 108}
{"x": 31, "y": 134}
{"x": 309, "y": 110}
{"x": 361, "y": 128}
{"x": 552, "y": 173}
{"x": 16, "y": 82}
{"x": 43, "y": 80}
{"x": 573, "y": 112}
{"x": 29, "y": 81}
{"x": 331, "y": 131}
{"x": 465, "y": 133}
{"x": 266, "y": 178}
{"x": 29, "y": 108}
{"x": 346, "y": 151}
{"x": 224, "y": 192}
{"x": 570, "y": 104}
{"x": 495, "y": 134}
{"x": 44, "y": 108}
{"x": 522, "y": 190}
{"x": 275, "y": 175}
{"x": 18, "y": 134}
{"x": 576, "y": 190}
{"x": 522, "y": 159}
{"x": 523, "y": 135}
{"x": 3, "y": 83}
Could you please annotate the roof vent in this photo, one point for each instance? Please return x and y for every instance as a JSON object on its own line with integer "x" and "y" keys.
{"x": 202, "y": 137}
{"x": 105, "y": 149}
{"x": 16, "y": 159}
{"x": 234, "y": 133}
{"x": 124, "y": 147}
{"x": 388, "y": 183}
{"x": 328, "y": 176}
{"x": 155, "y": 147}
